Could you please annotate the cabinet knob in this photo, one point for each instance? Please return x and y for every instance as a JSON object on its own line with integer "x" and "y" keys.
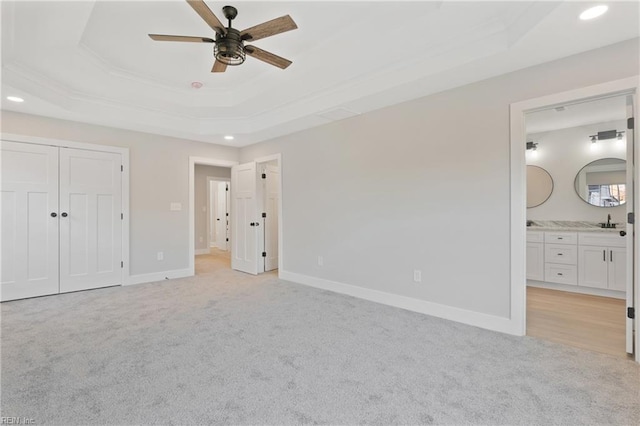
{"x": 64, "y": 214}
{"x": 623, "y": 233}
{"x": 54, "y": 214}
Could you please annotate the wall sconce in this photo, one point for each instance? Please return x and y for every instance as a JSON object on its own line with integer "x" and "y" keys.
{"x": 607, "y": 134}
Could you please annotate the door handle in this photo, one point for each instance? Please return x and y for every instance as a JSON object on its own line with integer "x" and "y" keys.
{"x": 604, "y": 255}
{"x": 257, "y": 223}
{"x": 54, "y": 214}
{"x": 611, "y": 255}
{"x": 64, "y": 214}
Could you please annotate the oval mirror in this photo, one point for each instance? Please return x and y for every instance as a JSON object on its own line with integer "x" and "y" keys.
{"x": 539, "y": 186}
{"x": 602, "y": 182}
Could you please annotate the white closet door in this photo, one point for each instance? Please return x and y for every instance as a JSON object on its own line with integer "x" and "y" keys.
{"x": 244, "y": 232}
{"x": 90, "y": 222}
{"x": 272, "y": 197}
{"x": 221, "y": 215}
{"x": 29, "y": 222}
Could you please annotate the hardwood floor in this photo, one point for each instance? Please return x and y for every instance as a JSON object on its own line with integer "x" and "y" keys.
{"x": 588, "y": 322}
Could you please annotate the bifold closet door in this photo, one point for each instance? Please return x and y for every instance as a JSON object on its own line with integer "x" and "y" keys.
{"x": 29, "y": 222}
{"x": 90, "y": 219}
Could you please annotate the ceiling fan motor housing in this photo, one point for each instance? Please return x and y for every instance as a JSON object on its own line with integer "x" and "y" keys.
{"x": 229, "y": 49}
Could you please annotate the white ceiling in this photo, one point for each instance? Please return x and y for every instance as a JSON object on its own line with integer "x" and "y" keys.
{"x": 597, "y": 111}
{"x": 92, "y": 61}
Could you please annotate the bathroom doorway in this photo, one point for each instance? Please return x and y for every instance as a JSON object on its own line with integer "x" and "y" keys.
{"x": 577, "y": 252}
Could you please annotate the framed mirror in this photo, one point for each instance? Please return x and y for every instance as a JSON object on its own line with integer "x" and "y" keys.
{"x": 602, "y": 183}
{"x": 539, "y": 186}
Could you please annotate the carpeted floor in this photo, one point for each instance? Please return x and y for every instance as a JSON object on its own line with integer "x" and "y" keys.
{"x": 228, "y": 348}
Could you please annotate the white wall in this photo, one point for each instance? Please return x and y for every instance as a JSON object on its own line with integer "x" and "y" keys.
{"x": 201, "y": 174}
{"x": 159, "y": 173}
{"x": 563, "y": 153}
{"x": 420, "y": 185}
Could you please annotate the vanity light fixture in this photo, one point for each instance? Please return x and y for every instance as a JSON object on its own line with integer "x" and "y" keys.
{"x": 607, "y": 134}
{"x": 594, "y": 12}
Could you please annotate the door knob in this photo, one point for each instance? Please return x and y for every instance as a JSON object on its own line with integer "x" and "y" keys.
{"x": 64, "y": 214}
{"x": 252, "y": 224}
{"x": 54, "y": 214}
{"x": 623, "y": 233}
{"x": 257, "y": 223}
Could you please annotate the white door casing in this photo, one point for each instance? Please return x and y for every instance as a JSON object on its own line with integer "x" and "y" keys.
{"x": 271, "y": 203}
{"x": 244, "y": 232}
{"x": 91, "y": 232}
{"x": 29, "y": 222}
{"x": 221, "y": 215}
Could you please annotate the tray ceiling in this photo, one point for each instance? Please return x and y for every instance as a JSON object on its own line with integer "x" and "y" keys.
{"x": 92, "y": 61}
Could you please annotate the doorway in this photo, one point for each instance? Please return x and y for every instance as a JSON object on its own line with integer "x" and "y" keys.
{"x": 556, "y": 254}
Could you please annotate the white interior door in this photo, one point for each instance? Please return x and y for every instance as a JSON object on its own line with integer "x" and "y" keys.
{"x": 631, "y": 254}
{"x": 221, "y": 215}
{"x": 29, "y": 222}
{"x": 244, "y": 232}
{"x": 272, "y": 199}
{"x": 90, "y": 219}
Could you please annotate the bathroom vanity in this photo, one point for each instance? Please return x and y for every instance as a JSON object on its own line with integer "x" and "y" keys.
{"x": 577, "y": 256}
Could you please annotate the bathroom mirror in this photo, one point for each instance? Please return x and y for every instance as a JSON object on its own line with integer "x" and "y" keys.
{"x": 539, "y": 186}
{"x": 602, "y": 182}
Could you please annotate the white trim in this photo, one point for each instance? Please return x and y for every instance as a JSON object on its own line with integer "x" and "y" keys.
{"x": 518, "y": 188}
{"x": 490, "y": 322}
{"x": 604, "y": 292}
{"x": 124, "y": 156}
{"x": 158, "y": 276}
{"x": 202, "y": 251}
{"x": 192, "y": 164}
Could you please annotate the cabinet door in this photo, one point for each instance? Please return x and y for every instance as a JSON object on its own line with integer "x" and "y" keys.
{"x": 535, "y": 261}
{"x": 29, "y": 220}
{"x": 617, "y": 268}
{"x": 593, "y": 266}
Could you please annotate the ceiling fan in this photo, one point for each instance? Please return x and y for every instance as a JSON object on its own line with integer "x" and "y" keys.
{"x": 228, "y": 46}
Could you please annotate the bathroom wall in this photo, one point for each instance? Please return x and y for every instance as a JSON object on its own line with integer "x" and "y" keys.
{"x": 563, "y": 153}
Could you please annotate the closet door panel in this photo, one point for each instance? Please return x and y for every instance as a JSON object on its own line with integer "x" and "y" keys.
{"x": 91, "y": 233}
{"x": 29, "y": 221}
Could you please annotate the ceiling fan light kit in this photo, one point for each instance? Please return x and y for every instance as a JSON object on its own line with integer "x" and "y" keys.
{"x": 229, "y": 47}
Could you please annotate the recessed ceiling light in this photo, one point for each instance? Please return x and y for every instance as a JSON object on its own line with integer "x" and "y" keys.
{"x": 229, "y": 137}
{"x": 196, "y": 84}
{"x": 593, "y": 12}
{"x": 15, "y": 99}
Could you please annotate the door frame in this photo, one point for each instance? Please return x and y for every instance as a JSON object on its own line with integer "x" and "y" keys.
{"x": 518, "y": 208}
{"x": 278, "y": 159}
{"x": 124, "y": 155}
{"x": 203, "y": 161}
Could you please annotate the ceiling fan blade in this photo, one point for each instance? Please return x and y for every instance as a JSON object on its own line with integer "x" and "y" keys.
{"x": 209, "y": 17}
{"x": 269, "y": 28}
{"x": 267, "y": 57}
{"x": 219, "y": 66}
{"x": 163, "y": 37}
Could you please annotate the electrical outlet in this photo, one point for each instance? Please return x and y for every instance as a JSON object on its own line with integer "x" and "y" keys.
{"x": 417, "y": 276}
{"x": 160, "y": 255}
{"x": 320, "y": 261}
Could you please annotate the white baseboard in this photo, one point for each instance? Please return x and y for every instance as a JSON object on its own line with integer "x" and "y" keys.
{"x": 202, "y": 251}
{"x": 578, "y": 289}
{"x": 477, "y": 319}
{"x": 158, "y": 276}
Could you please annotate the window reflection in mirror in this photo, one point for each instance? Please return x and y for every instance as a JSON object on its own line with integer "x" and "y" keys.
{"x": 602, "y": 182}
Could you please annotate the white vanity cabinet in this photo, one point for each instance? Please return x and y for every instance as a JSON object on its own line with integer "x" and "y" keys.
{"x": 535, "y": 255}
{"x": 602, "y": 260}
{"x": 561, "y": 257}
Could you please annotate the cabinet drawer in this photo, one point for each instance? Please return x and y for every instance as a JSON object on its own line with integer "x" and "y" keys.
{"x": 561, "y": 237}
{"x": 535, "y": 237}
{"x": 561, "y": 274}
{"x": 602, "y": 239}
{"x": 560, "y": 253}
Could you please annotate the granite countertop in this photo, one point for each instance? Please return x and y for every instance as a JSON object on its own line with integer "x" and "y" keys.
{"x": 572, "y": 226}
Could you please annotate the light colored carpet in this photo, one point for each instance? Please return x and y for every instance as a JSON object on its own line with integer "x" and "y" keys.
{"x": 227, "y": 348}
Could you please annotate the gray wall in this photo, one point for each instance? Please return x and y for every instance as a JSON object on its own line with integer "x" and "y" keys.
{"x": 159, "y": 173}
{"x": 420, "y": 185}
{"x": 200, "y": 199}
{"x": 563, "y": 153}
